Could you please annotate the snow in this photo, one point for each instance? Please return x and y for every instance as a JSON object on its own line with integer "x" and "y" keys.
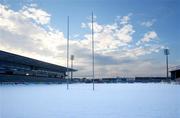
{"x": 80, "y": 101}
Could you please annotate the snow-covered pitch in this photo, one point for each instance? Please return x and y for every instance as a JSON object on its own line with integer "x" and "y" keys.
{"x": 80, "y": 101}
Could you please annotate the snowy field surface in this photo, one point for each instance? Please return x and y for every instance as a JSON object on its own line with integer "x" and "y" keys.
{"x": 107, "y": 101}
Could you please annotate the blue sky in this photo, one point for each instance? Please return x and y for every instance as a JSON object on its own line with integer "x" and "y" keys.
{"x": 121, "y": 25}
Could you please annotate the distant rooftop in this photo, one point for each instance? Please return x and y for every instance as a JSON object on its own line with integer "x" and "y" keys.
{"x": 174, "y": 68}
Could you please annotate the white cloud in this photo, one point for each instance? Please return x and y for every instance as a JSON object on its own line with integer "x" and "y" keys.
{"x": 20, "y": 34}
{"x": 90, "y": 17}
{"x": 149, "y": 36}
{"x": 125, "y": 19}
{"x": 83, "y": 25}
{"x": 36, "y": 14}
{"x": 142, "y": 50}
{"x": 96, "y": 27}
{"x": 109, "y": 37}
{"x": 28, "y": 32}
{"x": 125, "y": 33}
{"x": 148, "y": 23}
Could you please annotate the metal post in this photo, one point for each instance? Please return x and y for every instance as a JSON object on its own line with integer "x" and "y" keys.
{"x": 72, "y": 58}
{"x": 67, "y": 80}
{"x": 167, "y": 73}
{"x": 71, "y": 68}
{"x": 166, "y": 52}
{"x": 92, "y": 51}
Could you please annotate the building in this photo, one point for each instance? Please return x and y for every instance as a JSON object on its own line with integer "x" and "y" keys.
{"x": 175, "y": 72}
{"x": 150, "y": 79}
{"x": 18, "y": 68}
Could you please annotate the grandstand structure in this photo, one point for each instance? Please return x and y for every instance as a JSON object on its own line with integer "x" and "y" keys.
{"x": 175, "y": 72}
{"x": 17, "y": 66}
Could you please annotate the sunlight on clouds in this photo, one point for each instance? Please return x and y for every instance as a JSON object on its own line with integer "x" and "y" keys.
{"x": 28, "y": 32}
{"x": 19, "y": 35}
{"x": 149, "y": 36}
{"x": 96, "y": 27}
{"x": 125, "y": 33}
{"x": 40, "y": 16}
{"x": 110, "y": 37}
